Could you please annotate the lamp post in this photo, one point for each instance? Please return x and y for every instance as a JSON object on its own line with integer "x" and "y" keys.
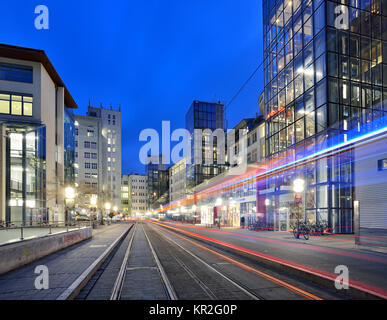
{"x": 93, "y": 203}
{"x": 69, "y": 201}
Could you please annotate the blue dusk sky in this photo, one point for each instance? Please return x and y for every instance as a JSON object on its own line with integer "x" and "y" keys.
{"x": 153, "y": 57}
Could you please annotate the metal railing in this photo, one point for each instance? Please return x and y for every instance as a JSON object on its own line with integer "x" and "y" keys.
{"x": 18, "y": 230}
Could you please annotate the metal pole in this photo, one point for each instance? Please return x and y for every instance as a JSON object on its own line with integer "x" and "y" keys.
{"x": 21, "y": 233}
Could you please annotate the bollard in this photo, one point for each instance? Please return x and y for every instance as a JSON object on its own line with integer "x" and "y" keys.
{"x": 49, "y": 229}
{"x": 21, "y": 233}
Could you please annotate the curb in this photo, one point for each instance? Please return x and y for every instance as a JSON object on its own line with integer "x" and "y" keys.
{"x": 74, "y": 289}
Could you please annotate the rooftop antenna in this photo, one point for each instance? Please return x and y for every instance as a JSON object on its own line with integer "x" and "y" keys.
{"x": 111, "y": 106}
{"x": 89, "y": 102}
{"x": 100, "y": 105}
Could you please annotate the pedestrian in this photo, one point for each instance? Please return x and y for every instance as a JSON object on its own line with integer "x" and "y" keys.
{"x": 243, "y": 222}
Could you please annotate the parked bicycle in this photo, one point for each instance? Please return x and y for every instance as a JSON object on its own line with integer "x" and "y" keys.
{"x": 319, "y": 228}
{"x": 301, "y": 229}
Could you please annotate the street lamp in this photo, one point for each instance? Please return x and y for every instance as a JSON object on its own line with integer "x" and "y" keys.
{"x": 299, "y": 185}
{"x": 69, "y": 201}
{"x": 218, "y": 202}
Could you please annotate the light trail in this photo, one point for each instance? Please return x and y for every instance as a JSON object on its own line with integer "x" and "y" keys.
{"x": 375, "y": 291}
{"x": 297, "y": 245}
{"x": 251, "y": 269}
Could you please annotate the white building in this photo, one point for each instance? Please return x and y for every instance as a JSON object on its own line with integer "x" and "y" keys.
{"x": 35, "y": 162}
{"x": 88, "y": 155}
{"x": 101, "y": 141}
{"x": 177, "y": 180}
{"x": 138, "y": 194}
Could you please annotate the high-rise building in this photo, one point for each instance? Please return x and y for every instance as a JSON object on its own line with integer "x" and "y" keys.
{"x": 36, "y": 138}
{"x": 99, "y": 155}
{"x": 325, "y": 76}
{"x": 158, "y": 182}
{"x": 138, "y": 194}
{"x": 201, "y": 116}
{"x": 89, "y": 157}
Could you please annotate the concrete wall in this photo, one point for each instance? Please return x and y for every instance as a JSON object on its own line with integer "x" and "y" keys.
{"x": 18, "y": 254}
{"x": 48, "y": 106}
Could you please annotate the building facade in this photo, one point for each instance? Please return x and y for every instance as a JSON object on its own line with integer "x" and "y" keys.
{"x": 89, "y": 157}
{"x": 99, "y": 156}
{"x": 125, "y": 198}
{"x": 325, "y": 81}
{"x": 138, "y": 194}
{"x": 177, "y": 181}
{"x": 158, "y": 182}
{"x": 36, "y": 138}
{"x": 203, "y": 163}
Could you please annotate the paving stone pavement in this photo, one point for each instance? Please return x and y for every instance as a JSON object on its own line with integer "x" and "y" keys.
{"x": 64, "y": 267}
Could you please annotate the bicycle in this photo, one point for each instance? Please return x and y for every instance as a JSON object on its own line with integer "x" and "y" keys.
{"x": 301, "y": 228}
{"x": 320, "y": 227}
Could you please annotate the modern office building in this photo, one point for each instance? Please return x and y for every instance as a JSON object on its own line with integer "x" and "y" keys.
{"x": 111, "y": 151}
{"x": 89, "y": 157}
{"x": 249, "y": 147}
{"x": 138, "y": 194}
{"x": 36, "y": 138}
{"x": 177, "y": 181}
{"x": 158, "y": 182}
{"x": 204, "y": 163}
{"x": 325, "y": 79}
{"x": 99, "y": 156}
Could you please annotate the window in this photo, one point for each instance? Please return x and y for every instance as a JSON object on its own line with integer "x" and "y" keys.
{"x": 94, "y": 145}
{"x": 94, "y": 166}
{"x": 15, "y": 73}
{"x": 87, "y": 155}
{"x": 90, "y": 132}
{"x": 87, "y": 144}
{"x": 87, "y": 165}
{"x": 382, "y": 165}
{"x": 17, "y": 105}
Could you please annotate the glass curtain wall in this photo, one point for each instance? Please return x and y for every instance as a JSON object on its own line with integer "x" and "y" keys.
{"x": 324, "y": 78}
{"x": 26, "y": 176}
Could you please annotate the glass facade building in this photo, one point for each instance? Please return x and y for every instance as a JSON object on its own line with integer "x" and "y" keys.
{"x": 325, "y": 71}
{"x": 202, "y": 116}
{"x": 69, "y": 148}
{"x": 25, "y": 175}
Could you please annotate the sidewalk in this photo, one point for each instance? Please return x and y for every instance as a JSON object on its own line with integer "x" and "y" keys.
{"x": 319, "y": 256}
{"x": 64, "y": 267}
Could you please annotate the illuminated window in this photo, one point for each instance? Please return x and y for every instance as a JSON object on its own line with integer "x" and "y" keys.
{"x": 16, "y": 105}
{"x": 4, "y": 103}
{"x": 382, "y": 165}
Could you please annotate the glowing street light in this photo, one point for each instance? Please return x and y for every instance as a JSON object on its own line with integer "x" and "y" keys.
{"x": 218, "y": 202}
{"x": 108, "y": 206}
{"x": 299, "y": 185}
{"x": 115, "y": 208}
